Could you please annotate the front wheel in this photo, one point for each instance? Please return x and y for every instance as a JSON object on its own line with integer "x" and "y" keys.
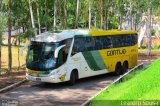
{"x": 73, "y": 78}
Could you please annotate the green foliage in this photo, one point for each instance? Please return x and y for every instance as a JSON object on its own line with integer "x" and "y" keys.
{"x": 113, "y": 13}
{"x": 155, "y": 47}
{"x": 113, "y": 23}
{"x": 153, "y": 32}
{"x": 30, "y": 33}
{"x": 3, "y": 23}
{"x": 21, "y": 37}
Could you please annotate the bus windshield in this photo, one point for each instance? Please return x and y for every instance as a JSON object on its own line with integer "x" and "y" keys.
{"x": 40, "y": 56}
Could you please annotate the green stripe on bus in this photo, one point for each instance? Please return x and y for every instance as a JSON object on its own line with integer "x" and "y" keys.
{"x": 90, "y": 61}
{"x": 98, "y": 59}
{"x": 94, "y": 60}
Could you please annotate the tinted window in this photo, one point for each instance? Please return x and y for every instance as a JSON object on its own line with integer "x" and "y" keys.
{"x": 124, "y": 40}
{"x": 82, "y": 44}
{"x": 78, "y": 45}
{"x": 91, "y": 43}
{"x": 102, "y": 42}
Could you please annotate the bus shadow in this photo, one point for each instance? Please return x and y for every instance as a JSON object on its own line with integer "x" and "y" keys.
{"x": 81, "y": 83}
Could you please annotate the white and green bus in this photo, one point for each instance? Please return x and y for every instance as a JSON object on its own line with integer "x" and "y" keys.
{"x": 73, "y": 54}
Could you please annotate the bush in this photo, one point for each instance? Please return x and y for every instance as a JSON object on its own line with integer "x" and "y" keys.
{"x": 155, "y": 47}
{"x": 153, "y": 32}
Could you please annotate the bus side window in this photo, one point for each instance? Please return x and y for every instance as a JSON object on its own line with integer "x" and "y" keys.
{"x": 63, "y": 53}
{"x": 107, "y": 42}
{"x": 60, "y": 58}
{"x": 75, "y": 47}
{"x": 78, "y": 45}
{"x": 134, "y": 39}
{"x": 129, "y": 40}
{"x": 89, "y": 43}
{"x": 116, "y": 41}
{"x": 123, "y": 40}
{"x": 97, "y": 43}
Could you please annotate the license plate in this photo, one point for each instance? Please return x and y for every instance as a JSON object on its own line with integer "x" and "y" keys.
{"x": 38, "y": 79}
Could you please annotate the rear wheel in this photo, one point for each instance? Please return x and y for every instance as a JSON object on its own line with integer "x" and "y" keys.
{"x": 118, "y": 69}
{"x": 73, "y": 77}
{"x": 125, "y": 67}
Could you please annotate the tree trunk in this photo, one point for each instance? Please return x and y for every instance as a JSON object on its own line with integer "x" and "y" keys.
{"x": 9, "y": 40}
{"x": 0, "y": 4}
{"x": 0, "y": 42}
{"x": 0, "y": 52}
{"x": 107, "y": 20}
{"x": 101, "y": 14}
{"x": 46, "y": 13}
{"x": 130, "y": 13}
{"x": 142, "y": 31}
{"x": 39, "y": 24}
{"x": 65, "y": 14}
{"x": 101, "y": 26}
{"x": 31, "y": 14}
{"x": 105, "y": 16}
{"x": 95, "y": 20}
{"x": 18, "y": 50}
{"x": 89, "y": 9}
{"x": 55, "y": 13}
{"x": 149, "y": 32}
{"x": 135, "y": 23}
{"x": 77, "y": 15}
{"x": 107, "y": 6}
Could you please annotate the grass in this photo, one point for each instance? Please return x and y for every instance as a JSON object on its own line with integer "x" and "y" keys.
{"x": 144, "y": 50}
{"x": 14, "y": 57}
{"x": 145, "y": 85}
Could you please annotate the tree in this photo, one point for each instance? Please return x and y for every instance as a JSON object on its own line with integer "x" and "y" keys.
{"x": 55, "y": 13}
{"x": 65, "y": 14}
{"x": 9, "y": 38}
{"x": 101, "y": 6}
{"x": 149, "y": 32}
{"x": 0, "y": 37}
{"x": 89, "y": 9}
{"x": 38, "y": 16}
{"x": 31, "y": 15}
{"x": 0, "y": 4}
{"x": 77, "y": 14}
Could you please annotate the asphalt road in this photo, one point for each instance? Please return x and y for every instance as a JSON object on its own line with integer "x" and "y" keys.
{"x": 62, "y": 94}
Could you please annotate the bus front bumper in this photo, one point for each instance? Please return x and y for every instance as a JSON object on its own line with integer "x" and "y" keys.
{"x": 50, "y": 79}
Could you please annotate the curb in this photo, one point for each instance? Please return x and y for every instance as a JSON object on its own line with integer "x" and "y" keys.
{"x": 86, "y": 103}
{"x": 12, "y": 86}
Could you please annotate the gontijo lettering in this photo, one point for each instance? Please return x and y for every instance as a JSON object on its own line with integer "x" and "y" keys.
{"x": 116, "y": 52}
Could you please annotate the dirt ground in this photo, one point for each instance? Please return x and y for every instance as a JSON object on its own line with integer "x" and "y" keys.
{"x": 6, "y": 80}
{"x": 142, "y": 57}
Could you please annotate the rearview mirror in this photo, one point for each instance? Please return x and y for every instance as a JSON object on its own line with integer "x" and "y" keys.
{"x": 57, "y": 50}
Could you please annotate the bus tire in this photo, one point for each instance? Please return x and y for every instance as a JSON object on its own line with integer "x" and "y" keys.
{"x": 73, "y": 77}
{"x": 118, "y": 69}
{"x": 125, "y": 67}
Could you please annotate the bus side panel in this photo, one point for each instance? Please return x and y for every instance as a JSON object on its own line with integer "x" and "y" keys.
{"x": 112, "y": 56}
{"x": 133, "y": 56}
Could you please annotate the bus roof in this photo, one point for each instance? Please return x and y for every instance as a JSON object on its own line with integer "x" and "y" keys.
{"x": 65, "y": 34}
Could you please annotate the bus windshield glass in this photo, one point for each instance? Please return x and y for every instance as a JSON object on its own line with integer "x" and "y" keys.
{"x": 40, "y": 56}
